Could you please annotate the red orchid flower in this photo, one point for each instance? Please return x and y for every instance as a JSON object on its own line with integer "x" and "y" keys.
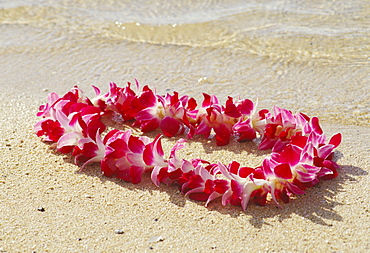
{"x": 212, "y": 117}
{"x": 89, "y": 150}
{"x": 282, "y": 125}
{"x": 250, "y": 122}
{"x": 167, "y": 113}
{"x": 124, "y": 156}
{"x": 120, "y": 100}
{"x": 242, "y": 184}
{"x": 77, "y": 126}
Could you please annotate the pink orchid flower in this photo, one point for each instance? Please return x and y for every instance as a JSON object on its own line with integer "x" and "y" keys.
{"x": 124, "y": 156}
{"x": 291, "y": 170}
{"x": 58, "y": 119}
{"x": 77, "y": 126}
{"x": 89, "y": 150}
{"x": 323, "y": 157}
{"x": 242, "y": 184}
{"x": 250, "y": 121}
{"x": 128, "y": 157}
{"x": 212, "y": 117}
{"x": 49, "y": 130}
{"x": 282, "y": 125}
{"x": 44, "y": 110}
{"x": 167, "y": 113}
{"x": 120, "y": 100}
{"x": 165, "y": 170}
{"x": 203, "y": 185}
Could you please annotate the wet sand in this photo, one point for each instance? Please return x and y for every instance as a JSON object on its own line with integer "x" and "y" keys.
{"x": 83, "y": 211}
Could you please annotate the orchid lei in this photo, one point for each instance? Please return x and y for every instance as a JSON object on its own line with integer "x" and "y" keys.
{"x": 301, "y": 153}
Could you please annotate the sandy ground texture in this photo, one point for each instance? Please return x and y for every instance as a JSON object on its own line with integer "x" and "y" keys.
{"x": 305, "y": 56}
{"x": 47, "y": 205}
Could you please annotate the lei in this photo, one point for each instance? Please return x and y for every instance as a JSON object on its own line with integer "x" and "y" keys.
{"x": 300, "y": 155}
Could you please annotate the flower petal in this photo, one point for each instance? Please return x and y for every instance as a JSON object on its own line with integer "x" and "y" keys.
{"x": 291, "y": 155}
{"x": 336, "y": 140}
{"x": 170, "y": 126}
{"x": 69, "y": 139}
{"x": 283, "y": 171}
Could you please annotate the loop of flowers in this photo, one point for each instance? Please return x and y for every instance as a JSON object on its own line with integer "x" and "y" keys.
{"x": 301, "y": 153}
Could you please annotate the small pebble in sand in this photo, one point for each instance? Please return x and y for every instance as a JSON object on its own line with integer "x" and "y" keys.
{"x": 41, "y": 209}
{"x": 118, "y": 231}
{"x": 156, "y": 239}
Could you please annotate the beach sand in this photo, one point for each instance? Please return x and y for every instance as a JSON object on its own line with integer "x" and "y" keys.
{"x": 48, "y": 205}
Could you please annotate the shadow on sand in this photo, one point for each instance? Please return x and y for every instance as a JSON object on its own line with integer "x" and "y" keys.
{"x": 321, "y": 198}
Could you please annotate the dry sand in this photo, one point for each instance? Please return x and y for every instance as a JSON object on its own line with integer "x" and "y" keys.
{"x": 84, "y": 210}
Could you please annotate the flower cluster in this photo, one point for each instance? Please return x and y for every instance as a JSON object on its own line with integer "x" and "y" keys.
{"x": 301, "y": 153}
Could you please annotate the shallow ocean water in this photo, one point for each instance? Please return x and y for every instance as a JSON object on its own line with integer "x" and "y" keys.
{"x": 312, "y": 57}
